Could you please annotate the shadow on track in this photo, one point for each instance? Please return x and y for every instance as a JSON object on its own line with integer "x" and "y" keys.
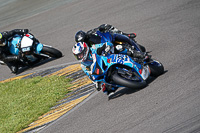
{"x": 25, "y": 68}
{"x": 127, "y": 91}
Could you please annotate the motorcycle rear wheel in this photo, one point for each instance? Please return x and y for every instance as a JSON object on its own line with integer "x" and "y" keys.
{"x": 156, "y": 68}
{"x": 52, "y": 52}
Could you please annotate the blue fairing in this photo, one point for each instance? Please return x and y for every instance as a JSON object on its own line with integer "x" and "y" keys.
{"x": 109, "y": 60}
{"x": 105, "y": 37}
{"x": 15, "y": 42}
{"x": 105, "y": 62}
{"x": 121, "y": 59}
{"x": 102, "y": 64}
{"x": 13, "y": 45}
{"x": 39, "y": 48}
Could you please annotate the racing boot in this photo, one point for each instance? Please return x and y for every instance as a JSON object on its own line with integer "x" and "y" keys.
{"x": 11, "y": 58}
{"x": 109, "y": 90}
{"x": 131, "y": 35}
{"x": 11, "y": 62}
{"x": 14, "y": 68}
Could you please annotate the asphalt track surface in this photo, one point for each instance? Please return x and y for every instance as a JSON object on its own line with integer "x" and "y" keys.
{"x": 168, "y": 28}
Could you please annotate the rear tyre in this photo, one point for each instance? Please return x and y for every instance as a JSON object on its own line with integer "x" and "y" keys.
{"x": 52, "y": 52}
{"x": 156, "y": 68}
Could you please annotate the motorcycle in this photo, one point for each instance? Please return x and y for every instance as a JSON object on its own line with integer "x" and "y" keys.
{"x": 30, "y": 50}
{"x": 119, "y": 70}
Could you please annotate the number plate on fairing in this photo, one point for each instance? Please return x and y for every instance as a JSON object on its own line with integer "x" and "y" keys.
{"x": 26, "y": 49}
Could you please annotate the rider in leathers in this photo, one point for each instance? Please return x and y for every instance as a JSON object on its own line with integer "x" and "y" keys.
{"x": 88, "y": 63}
{"x": 82, "y": 36}
{"x": 100, "y": 37}
{"x": 90, "y": 37}
{"x": 5, "y": 55}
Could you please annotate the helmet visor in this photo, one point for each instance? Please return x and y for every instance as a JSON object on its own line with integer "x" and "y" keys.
{"x": 81, "y": 55}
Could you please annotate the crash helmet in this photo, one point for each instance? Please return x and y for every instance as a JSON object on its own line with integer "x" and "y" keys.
{"x": 2, "y": 43}
{"x": 80, "y": 36}
{"x": 80, "y": 51}
{"x": 1, "y": 38}
{"x": 105, "y": 28}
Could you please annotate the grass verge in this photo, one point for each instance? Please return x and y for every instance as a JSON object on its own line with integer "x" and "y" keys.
{"x": 23, "y": 101}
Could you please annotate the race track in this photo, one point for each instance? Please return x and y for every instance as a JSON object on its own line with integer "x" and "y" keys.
{"x": 168, "y": 28}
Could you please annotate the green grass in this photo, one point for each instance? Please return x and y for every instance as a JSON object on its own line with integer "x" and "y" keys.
{"x": 23, "y": 101}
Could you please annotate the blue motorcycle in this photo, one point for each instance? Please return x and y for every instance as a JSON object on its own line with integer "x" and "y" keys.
{"x": 121, "y": 70}
{"x": 30, "y": 50}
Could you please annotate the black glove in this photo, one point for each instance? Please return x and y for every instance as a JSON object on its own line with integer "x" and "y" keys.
{"x": 138, "y": 54}
{"x": 105, "y": 48}
{"x": 101, "y": 49}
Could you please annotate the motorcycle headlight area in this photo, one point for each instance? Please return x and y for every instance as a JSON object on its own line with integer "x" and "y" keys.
{"x": 26, "y": 44}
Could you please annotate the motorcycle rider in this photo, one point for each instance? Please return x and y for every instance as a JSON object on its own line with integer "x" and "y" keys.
{"x": 85, "y": 36}
{"x": 90, "y": 36}
{"x": 5, "y": 55}
{"x": 82, "y": 52}
{"x": 84, "y": 40}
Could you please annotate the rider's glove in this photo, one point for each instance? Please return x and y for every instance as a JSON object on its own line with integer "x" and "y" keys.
{"x": 103, "y": 50}
{"x": 107, "y": 49}
{"x": 138, "y": 54}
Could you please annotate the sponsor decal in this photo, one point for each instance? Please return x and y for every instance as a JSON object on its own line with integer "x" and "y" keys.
{"x": 121, "y": 59}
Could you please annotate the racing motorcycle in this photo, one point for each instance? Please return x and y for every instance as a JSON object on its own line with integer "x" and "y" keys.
{"x": 30, "y": 50}
{"x": 121, "y": 70}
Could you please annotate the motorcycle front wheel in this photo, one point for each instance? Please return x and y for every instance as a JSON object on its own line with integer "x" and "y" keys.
{"x": 52, "y": 52}
{"x": 132, "y": 82}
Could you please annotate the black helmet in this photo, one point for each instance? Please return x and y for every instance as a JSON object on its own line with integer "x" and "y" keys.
{"x": 104, "y": 27}
{"x": 1, "y": 39}
{"x": 80, "y": 36}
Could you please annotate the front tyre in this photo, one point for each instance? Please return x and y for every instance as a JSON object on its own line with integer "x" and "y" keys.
{"x": 52, "y": 52}
{"x": 126, "y": 81}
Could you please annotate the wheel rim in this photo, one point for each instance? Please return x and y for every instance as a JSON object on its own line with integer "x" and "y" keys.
{"x": 128, "y": 74}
